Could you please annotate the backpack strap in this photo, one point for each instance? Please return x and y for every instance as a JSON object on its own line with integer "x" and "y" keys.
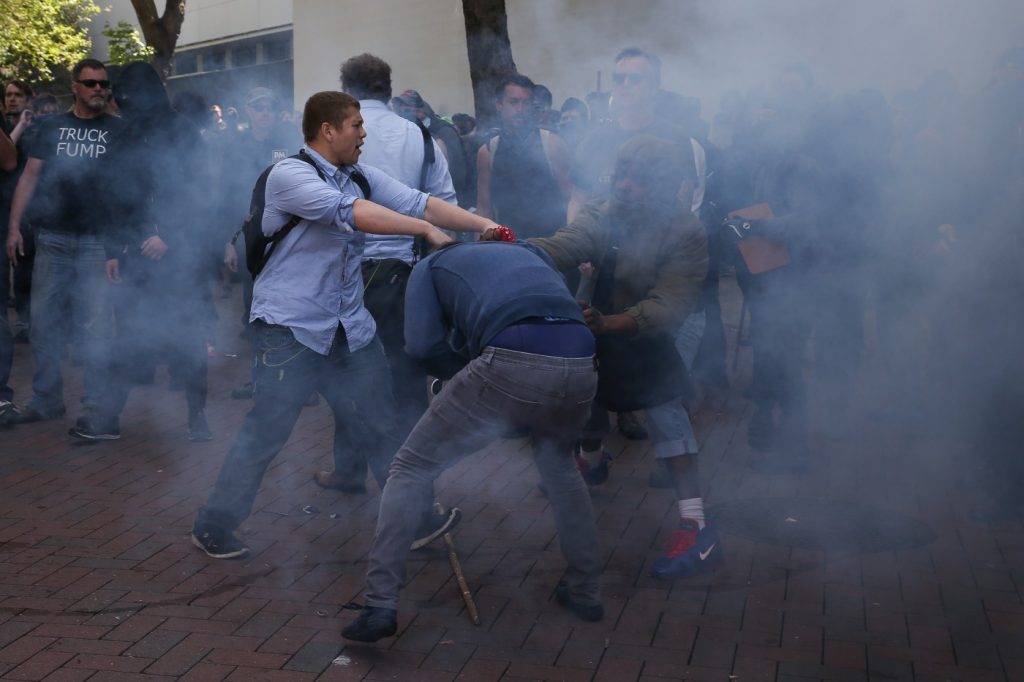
{"x": 295, "y": 220}
{"x": 419, "y": 246}
{"x": 428, "y": 155}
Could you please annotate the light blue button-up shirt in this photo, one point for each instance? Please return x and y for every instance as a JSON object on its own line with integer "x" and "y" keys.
{"x": 312, "y": 282}
{"x": 395, "y": 146}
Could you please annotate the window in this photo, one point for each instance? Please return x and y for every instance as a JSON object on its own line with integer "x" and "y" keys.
{"x": 215, "y": 60}
{"x": 243, "y": 56}
{"x": 277, "y": 50}
{"x": 186, "y": 62}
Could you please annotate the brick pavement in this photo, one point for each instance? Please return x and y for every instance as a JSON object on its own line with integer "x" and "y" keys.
{"x": 99, "y": 581}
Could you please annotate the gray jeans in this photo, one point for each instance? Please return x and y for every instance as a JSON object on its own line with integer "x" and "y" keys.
{"x": 499, "y": 390}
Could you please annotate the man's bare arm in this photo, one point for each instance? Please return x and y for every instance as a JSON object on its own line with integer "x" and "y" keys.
{"x": 454, "y": 218}
{"x": 22, "y": 196}
{"x": 376, "y": 219}
{"x": 8, "y": 153}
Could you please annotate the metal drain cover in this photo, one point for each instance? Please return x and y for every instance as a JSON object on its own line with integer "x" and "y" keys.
{"x": 820, "y": 524}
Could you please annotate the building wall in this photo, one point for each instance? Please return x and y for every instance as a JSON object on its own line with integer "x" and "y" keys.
{"x": 210, "y": 20}
{"x": 423, "y": 41}
{"x": 205, "y": 20}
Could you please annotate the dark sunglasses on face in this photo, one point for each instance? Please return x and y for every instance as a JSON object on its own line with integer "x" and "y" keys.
{"x": 92, "y": 83}
{"x": 631, "y": 78}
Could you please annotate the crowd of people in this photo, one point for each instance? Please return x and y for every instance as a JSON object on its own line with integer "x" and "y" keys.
{"x": 547, "y": 274}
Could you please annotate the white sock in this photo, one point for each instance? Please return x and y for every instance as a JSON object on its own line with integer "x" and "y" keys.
{"x": 693, "y": 508}
{"x": 593, "y": 457}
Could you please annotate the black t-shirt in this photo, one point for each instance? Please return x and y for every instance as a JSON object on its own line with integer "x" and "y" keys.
{"x": 78, "y": 173}
{"x": 524, "y": 192}
{"x": 594, "y": 162}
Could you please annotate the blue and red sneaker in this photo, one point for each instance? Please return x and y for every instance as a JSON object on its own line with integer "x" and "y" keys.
{"x": 691, "y": 552}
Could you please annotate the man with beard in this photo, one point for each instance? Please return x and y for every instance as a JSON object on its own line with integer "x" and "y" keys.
{"x": 155, "y": 254}
{"x": 68, "y": 175}
{"x": 650, "y": 254}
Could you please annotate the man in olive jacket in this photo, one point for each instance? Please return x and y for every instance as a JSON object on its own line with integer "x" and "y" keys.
{"x": 650, "y": 258}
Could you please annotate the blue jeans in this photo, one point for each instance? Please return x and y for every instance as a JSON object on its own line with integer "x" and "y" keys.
{"x": 68, "y": 282}
{"x": 356, "y": 386}
{"x": 501, "y": 389}
{"x": 6, "y": 340}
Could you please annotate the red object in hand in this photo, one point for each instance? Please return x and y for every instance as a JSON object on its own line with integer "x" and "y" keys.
{"x": 507, "y": 235}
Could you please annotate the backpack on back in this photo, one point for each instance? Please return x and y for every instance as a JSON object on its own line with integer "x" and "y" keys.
{"x": 258, "y": 246}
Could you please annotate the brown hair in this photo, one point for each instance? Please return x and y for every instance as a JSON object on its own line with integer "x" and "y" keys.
{"x": 326, "y": 107}
{"x": 367, "y": 77}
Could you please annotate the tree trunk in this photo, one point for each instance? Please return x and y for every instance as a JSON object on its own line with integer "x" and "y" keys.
{"x": 490, "y": 52}
{"x": 161, "y": 31}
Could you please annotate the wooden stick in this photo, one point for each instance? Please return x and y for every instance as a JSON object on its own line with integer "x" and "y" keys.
{"x": 460, "y": 577}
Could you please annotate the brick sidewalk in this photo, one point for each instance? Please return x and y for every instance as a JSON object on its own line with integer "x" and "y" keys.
{"x": 99, "y": 581}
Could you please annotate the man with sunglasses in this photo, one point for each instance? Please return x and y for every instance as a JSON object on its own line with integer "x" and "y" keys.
{"x": 636, "y": 80}
{"x": 68, "y": 173}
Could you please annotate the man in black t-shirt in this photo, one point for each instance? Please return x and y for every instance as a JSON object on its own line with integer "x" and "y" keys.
{"x": 523, "y": 171}
{"x": 69, "y": 180}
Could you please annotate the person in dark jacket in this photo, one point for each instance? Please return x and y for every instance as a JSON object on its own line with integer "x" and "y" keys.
{"x": 499, "y": 321}
{"x": 162, "y": 301}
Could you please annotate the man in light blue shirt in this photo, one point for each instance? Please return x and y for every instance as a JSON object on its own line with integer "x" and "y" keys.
{"x": 312, "y": 331}
{"x": 406, "y": 152}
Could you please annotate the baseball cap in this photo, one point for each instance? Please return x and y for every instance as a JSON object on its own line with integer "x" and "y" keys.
{"x": 256, "y": 94}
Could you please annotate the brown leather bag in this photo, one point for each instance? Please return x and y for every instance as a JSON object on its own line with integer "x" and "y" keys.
{"x": 759, "y": 253}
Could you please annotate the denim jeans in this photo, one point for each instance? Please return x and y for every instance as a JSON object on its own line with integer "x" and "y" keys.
{"x": 6, "y": 339}
{"x": 356, "y": 386}
{"x": 68, "y": 282}
{"x": 501, "y": 389}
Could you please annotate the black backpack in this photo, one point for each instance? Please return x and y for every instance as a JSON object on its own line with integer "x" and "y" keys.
{"x": 258, "y": 246}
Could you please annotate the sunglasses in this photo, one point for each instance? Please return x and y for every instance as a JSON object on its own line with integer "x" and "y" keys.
{"x": 631, "y": 78}
{"x": 92, "y": 83}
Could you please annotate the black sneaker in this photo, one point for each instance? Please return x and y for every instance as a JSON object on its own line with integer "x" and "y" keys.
{"x": 218, "y": 543}
{"x": 588, "y": 612}
{"x": 94, "y": 428}
{"x": 434, "y": 526}
{"x": 8, "y": 412}
{"x": 243, "y": 392}
{"x": 30, "y": 414}
{"x": 372, "y": 624}
{"x": 198, "y": 429}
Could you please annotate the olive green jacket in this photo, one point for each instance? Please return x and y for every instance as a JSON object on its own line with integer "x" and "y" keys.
{"x": 659, "y": 270}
